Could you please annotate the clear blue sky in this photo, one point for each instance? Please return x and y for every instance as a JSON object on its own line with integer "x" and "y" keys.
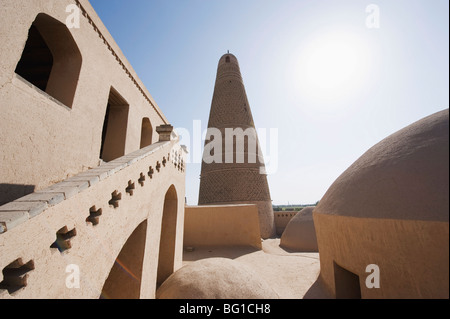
{"x": 312, "y": 69}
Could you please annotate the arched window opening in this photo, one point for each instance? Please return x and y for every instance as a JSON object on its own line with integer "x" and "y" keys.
{"x": 146, "y": 132}
{"x": 114, "y": 127}
{"x": 51, "y": 60}
{"x": 166, "y": 258}
{"x": 227, "y": 59}
{"x": 36, "y": 62}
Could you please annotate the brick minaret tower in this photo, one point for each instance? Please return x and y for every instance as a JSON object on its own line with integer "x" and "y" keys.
{"x": 228, "y": 179}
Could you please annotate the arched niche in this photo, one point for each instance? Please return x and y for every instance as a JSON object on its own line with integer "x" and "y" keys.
{"x": 51, "y": 60}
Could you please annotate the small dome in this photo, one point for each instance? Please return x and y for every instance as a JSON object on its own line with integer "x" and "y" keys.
{"x": 299, "y": 234}
{"x": 405, "y": 176}
{"x": 215, "y": 278}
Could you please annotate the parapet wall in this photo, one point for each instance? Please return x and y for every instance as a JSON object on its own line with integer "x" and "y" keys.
{"x": 67, "y": 240}
{"x": 282, "y": 219}
{"x": 222, "y": 225}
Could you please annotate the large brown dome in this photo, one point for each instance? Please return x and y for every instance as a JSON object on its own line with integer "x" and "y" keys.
{"x": 389, "y": 211}
{"x": 405, "y": 176}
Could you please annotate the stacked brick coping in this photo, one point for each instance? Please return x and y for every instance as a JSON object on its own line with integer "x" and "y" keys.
{"x": 19, "y": 211}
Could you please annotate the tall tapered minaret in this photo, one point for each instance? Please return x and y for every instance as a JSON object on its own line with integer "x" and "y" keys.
{"x": 233, "y": 169}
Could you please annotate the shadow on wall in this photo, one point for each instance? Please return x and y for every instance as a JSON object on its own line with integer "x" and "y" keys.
{"x": 11, "y": 192}
{"x": 317, "y": 291}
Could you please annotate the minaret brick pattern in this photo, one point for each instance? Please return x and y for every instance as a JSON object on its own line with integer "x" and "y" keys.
{"x": 237, "y": 182}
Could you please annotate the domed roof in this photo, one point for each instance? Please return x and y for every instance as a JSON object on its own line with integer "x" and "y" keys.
{"x": 215, "y": 278}
{"x": 304, "y": 214}
{"x": 405, "y": 176}
{"x": 299, "y": 234}
{"x": 232, "y": 58}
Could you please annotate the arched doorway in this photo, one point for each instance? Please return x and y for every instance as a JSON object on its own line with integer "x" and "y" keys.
{"x": 168, "y": 236}
{"x": 124, "y": 279}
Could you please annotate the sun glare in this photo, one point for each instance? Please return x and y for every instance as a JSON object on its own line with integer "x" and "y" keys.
{"x": 332, "y": 66}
